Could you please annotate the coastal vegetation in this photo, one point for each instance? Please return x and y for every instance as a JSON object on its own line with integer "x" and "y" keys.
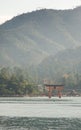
{"x": 17, "y": 82}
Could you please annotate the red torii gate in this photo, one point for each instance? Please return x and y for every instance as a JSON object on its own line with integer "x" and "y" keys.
{"x": 51, "y": 87}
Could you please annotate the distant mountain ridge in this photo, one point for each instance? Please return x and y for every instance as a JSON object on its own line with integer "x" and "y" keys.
{"x": 30, "y": 38}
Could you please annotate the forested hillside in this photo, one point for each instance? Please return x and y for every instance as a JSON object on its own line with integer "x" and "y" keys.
{"x": 45, "y": 43}
{"x": 29, "y": 38}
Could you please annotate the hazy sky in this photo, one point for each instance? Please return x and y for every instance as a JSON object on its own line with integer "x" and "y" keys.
{"x": 10, "y": 8}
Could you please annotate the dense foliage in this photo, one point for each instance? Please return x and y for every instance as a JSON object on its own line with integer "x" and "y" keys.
{"x": 16, "y": 83}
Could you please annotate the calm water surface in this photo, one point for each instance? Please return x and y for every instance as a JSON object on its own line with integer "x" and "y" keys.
{"x": 40, "y": 113}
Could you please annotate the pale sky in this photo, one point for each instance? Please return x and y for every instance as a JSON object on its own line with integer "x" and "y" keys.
{"x": 11, "y": 8}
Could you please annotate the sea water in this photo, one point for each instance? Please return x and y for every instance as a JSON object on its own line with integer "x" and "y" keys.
{"x": 40, "y": 113}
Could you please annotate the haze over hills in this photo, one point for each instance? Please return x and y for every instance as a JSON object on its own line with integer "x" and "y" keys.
{"x": 36, "y": 38}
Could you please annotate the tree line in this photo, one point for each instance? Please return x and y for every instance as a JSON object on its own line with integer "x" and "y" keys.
{"x": 14, "y": 82}
{"x": 18, "y": 82}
